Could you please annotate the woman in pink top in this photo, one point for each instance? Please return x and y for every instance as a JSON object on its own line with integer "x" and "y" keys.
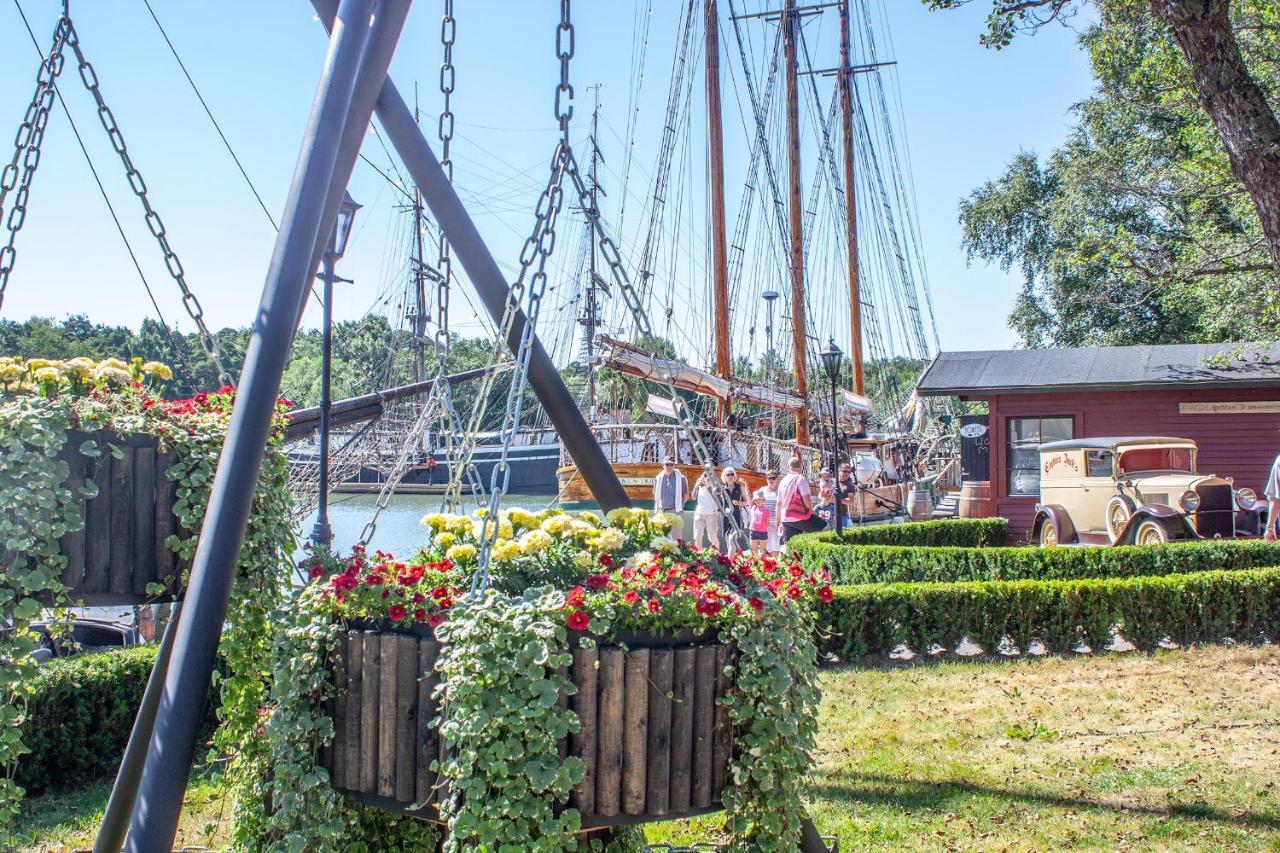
{"x": 760, "y": 523}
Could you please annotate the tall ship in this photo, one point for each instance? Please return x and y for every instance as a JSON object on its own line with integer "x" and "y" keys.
{"x": 825, "y": 255}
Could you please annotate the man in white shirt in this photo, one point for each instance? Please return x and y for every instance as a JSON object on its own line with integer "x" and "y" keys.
{"x": 670, "y": 491}
{"x": 706, "y": 512}
{"x": 1273, "y": 500}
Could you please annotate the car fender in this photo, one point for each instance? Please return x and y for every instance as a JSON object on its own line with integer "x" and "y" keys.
{"x": 1165, "y": 513}
{"x": 1061, "y": 519}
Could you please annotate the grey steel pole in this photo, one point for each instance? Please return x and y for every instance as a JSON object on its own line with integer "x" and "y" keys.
{"x": 321, "y": 532}
{"x": 172, "y": 745}
{"x": 492, "y": 287}
{"x": 115, "y": 820}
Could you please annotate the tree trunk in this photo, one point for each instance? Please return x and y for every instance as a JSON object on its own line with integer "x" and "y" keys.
{"x": 1234, "y": 101}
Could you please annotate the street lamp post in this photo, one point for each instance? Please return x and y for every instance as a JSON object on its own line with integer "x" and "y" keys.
{"x": 321, "y": 532}
{"x": 770, "y": 297}
{"x": 831, "y": 359}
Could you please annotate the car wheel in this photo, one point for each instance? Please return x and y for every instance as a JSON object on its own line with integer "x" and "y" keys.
{"x": 1048, "y": 534}
{"x": 1151, "y": 531}
{"x": 1119, "y": 511}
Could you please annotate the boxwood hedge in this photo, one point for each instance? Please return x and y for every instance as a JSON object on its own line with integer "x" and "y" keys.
{"x": 1201, "y": 607}
{"x": 79, "y": 719}
{"x": 960, "y": 532}
{"x": 851, "y": 562}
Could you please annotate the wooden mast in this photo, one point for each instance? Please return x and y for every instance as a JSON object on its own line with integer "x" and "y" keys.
{"x": 845, "y": 81}
{"x": 719, "y": 252}
{"x": 790, "y": 21}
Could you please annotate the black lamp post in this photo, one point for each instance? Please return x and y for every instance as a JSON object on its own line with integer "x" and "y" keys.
{"x": 831, "y": 359}
{"x": 321, "y": 532}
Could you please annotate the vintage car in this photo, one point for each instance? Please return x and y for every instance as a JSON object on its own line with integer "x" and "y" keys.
{"x": 1143, "y": 490}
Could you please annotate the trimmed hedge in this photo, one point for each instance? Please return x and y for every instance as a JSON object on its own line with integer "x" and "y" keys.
{"x": 1203, "y": 607}
{"x": 79, "y": 719}
{"x": 853, "y": 563}
{"x": 960, "y": 532}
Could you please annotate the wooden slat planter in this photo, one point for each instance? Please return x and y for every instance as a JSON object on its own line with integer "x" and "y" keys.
{"x": 655, "y": 744}
{"x": 121, "y": 548}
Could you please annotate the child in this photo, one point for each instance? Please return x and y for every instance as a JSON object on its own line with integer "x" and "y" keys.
{"x": 826, "y": 508}
{"x": 760, "y": 524}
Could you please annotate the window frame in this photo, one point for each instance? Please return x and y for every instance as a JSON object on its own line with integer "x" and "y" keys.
{"x": 1010, "y": 468}
{"x": 1088, "y": 468}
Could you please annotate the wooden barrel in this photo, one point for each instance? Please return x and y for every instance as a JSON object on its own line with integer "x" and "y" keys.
{"x": 121, "y": 549}
{"x": 975, "y": 499}
{"x": 655, "y": 742}
{"x": 919, "y": 505}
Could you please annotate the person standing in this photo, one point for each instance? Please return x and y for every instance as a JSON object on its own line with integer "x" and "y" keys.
{"x": 761, "y": 524}
{"x": 706, "y": 512}
{"x": 670, "y": 491}
{"x": 826, "y": 508}
{"x": 847, "y": 493}
{"x": 737, "y": 492}
{"x": 1273, "y": 501}
{"x": 795, "y": 503}
{"x": 769, "y": 493}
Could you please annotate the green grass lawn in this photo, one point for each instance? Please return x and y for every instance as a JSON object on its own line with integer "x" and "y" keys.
{"x": 1180, "y": 750}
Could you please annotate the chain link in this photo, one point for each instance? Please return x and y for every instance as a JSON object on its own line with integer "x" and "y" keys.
{"x": 154, "y": 224}
{"x": 645, "y": 332}
{"x": 27, "y": 149}
{"x": 564, "y": 91}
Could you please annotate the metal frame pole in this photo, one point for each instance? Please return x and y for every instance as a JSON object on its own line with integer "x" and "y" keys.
{"x": 321, "y": 532}
{"x": 115, "y": 820}
{"x": 492, "y": 287}
{"x": 172, "y": 745}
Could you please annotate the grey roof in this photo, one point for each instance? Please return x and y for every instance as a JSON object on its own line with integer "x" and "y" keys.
{"x": 1105, "y": 443}
{"x": 1099, "y": 369}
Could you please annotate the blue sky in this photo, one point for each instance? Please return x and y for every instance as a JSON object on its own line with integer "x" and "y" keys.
{"x": 967, "y": 110}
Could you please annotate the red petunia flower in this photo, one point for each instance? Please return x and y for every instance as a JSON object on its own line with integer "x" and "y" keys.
{"x": 630, "y": 596}
{"x": 606, "y": 561}
{"x": 396, "y": 612}
{"x": 419, "y": 615}
{"x": 598, "y": 582}
{"x": 825, "y": 595}
{"x": 579, "y": 620}
{"x": 435, "y": 619}
{"x": 756, "y": 604}
{"x": 653, "y": 605}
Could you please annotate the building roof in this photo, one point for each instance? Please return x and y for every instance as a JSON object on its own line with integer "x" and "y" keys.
{"x": 1099, "y": 369}
{"x": 1119, "y": 443}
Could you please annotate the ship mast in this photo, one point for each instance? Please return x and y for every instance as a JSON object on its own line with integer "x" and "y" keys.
{"x": 719, "y": 252}
{"x": 799, "y": 355}
{"x": 845, "y": 81}
{"x": 591, "y": 312}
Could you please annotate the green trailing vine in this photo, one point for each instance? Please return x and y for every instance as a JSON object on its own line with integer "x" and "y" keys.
{"x": 40, "y": 401}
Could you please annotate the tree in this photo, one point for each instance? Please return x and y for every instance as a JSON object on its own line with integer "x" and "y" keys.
{"x": 1135, "y": 230}
{"x": 1237, "y": 101}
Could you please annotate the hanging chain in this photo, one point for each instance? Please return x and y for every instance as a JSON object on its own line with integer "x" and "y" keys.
{"x": 26, "y": 149}
{"x": 412, "y": 441}
{"x": 564, "y": 91}
{"x": 154, "y": 224}
{"x": 645, "y": 332}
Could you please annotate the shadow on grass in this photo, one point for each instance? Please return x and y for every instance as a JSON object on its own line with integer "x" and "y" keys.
{"x": 917, "y": 794}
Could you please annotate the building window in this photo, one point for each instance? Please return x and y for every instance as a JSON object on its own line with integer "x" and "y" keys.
{"x": 1022, "y": 454}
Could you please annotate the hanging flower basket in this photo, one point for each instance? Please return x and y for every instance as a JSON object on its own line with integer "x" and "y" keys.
{"x": 654, "y": 738}
{"x": 121, "y": 554}
{"x": 606, "y": 677}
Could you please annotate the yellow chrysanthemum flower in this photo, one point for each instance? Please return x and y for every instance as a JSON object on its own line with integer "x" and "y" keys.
{"x": 157, "y": 370}
{"x": 47, "y": 374}
{"x": 444, "y": 540}
{"x": 461, "y": 553}
{"x": 79, "y": 367}
{"x": 664, "y": 520}
{"x": 505, "y": 549}
{"x": 435, "y": 520}
{"x": 557, "y": 525}
{"x": 609, "y": 539}
{"x": 584, "y": 560}
{"x": 590, "y": 518}
{"x": 535, "y": 541}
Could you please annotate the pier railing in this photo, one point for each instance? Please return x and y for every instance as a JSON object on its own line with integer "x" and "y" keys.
{"x": 632, "y": 443}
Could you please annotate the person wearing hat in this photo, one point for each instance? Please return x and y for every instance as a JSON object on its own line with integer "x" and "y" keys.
{"x": 670, "y": 491}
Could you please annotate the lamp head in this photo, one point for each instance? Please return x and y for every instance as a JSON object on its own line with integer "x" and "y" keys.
{"x": 343, "y": 224}
{"x": 831, "y": 358}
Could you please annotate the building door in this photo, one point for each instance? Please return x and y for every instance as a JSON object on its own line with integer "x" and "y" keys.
{"x": 975, "y": 448}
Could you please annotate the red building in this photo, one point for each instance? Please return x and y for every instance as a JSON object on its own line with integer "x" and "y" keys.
{"x": 1033, "y": 396}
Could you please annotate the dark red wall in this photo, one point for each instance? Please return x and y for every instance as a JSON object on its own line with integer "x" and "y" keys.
{"x": 1242, "y": 446}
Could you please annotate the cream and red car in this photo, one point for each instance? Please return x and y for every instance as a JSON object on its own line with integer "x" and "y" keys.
{"x": 1143, "y": 490}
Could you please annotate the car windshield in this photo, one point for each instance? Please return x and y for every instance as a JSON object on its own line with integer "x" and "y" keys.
{"x": 1156, "y": 459}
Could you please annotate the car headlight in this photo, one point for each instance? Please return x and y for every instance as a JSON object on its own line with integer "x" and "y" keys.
{"x": 1246, "y": 498}
{"x": 1189, "y": 501}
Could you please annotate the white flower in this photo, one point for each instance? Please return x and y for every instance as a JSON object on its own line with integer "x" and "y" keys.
{"x": 535, "y": 541}
{"x": 663, "y": 544}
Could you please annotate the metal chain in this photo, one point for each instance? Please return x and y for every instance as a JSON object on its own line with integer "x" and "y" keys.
{"x": 645, "y": 332}
{"x": 154, "y": 224}
{"x": 27, "y": 149}
{"x": 412, "y": 441}
{"x": 500, "y": 477}
{"x": 564, "y": 91}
